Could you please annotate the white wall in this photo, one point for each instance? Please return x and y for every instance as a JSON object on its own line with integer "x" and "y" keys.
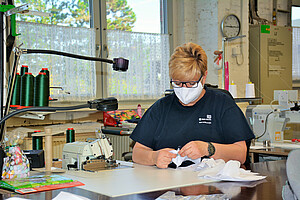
{"x": 238, "y": 66}
{"x": 195, "y": 21}
{"x": 199, "y": 21}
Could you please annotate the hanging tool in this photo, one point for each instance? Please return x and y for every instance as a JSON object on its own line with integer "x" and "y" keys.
{"x": 223, "y": 49}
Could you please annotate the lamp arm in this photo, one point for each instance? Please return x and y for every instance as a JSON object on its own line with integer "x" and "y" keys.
{"x": 106, "y": 104}
{"x": 43, "y": 51}
{"x": 119, "y": 64}
{"x": 12, "y": 84}
{"x": 52, "y": 109}
{"x": 10, "y": 92}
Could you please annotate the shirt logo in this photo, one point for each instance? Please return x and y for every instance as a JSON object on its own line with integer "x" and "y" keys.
{"x": 205, "y": 120}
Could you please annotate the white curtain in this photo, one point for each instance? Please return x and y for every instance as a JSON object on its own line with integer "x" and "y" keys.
{"x": 148, "y": 73}
{"x": 77, "y": 77}
{"x": 296, "y": 53}
{"x": 148, "y": 54}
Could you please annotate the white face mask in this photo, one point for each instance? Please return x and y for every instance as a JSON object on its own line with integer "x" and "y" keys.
{"x": 188, "y": 95}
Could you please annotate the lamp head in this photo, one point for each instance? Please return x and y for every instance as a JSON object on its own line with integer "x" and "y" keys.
{"x": 106, "y": 104}
{"x": 120, "y": 64}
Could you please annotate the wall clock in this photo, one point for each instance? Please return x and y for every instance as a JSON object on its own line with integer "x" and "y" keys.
{"x": 230, "y": 26}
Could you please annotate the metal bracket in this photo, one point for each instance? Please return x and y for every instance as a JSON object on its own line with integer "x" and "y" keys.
{"x": 15, "y": 10}
{"x": 32, "y": 116}
{"x": 11, "y": 10}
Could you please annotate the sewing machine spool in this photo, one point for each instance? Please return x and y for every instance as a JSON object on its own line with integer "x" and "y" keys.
{"x": 48, "y": 151}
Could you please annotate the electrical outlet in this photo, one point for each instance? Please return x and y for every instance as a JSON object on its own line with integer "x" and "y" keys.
{"x": 235, "y": 51}
{"x": 286, "y": 95}
{"x": 283, "y": 96}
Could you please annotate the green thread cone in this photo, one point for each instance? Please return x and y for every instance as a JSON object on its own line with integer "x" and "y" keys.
{"x": 15, "y": 101}
{"x": 27, "y": 90}
{"x": 45, "y": 70}
{"x": 70, "y": 135}
{"x": 41, "y": 88}
{"x": 24, "y": 68}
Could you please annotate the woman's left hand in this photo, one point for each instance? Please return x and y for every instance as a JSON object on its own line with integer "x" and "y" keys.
{"x": 194, "y": 149}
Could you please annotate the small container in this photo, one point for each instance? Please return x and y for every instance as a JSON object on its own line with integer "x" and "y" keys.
{"x": 250, "y": 91}
{"x": 37, "y": 141}
{"x": 139, "y": 110}
{"x": 266, "y": 143}
{"x": 233, "y": 90}
{"x": 70, "y": 135}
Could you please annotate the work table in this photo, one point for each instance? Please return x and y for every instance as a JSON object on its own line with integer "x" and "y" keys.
{"x": 148, "y": 182}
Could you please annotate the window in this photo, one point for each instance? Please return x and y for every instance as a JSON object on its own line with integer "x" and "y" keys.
{"x": 67, "y": 31}
{"x": 148, "y": 74}
{"x": 135, "y": 33}
{"x": 75, "y": 28}
{"x": 295, "y": 16}
{"x": 296, "y": 45}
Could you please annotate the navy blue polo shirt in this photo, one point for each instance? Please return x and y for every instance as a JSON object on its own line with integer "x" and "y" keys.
{"x": 214, "y": 118}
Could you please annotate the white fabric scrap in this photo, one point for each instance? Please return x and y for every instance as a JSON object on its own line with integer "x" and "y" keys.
{"x": 170, "y": 195}
{"x": 66, "y": 195}
{"x": 179, "y": 159}
{"x": 230, "y": 171}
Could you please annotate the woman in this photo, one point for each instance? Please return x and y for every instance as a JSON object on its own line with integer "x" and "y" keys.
{"x": 198, "y": 120}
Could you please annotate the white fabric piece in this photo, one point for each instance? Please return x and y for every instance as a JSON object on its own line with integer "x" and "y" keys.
{"x": 210, "y": 163}
{"x": 209, "y": 167}
{"x": 229, "y": 171}
{"x": 179, "y": 159}
{"x": 170, "y": 195}
{"x": 66, "y": 195}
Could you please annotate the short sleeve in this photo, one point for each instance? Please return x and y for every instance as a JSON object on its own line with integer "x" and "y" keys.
{"x": 235, "y": 126}
{"x": 144, "y": 132}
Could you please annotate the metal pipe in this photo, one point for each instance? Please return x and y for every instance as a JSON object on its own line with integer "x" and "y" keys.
{"x": 1, "y": 65}
{"x": 10, "y": 92}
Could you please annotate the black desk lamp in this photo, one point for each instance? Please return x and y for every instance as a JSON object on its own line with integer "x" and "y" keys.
{"x": 119, "y": 64}
{"x": 106, "y": 104}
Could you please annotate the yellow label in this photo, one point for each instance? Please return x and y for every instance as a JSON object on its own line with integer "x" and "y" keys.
{"x": 278, "y": 136}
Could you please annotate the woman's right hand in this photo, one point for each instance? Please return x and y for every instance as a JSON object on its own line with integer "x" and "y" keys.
{"x": 163, "y": 157}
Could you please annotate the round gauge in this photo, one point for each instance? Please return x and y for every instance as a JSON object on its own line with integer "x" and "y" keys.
{"x": 230, "y": 26}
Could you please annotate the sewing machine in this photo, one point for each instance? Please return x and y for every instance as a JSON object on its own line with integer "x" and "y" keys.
{"x": 92, "y": 155}
{"x": 268, "y": 122}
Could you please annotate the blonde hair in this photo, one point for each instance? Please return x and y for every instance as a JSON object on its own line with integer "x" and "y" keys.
{"x": 187, "y": 61}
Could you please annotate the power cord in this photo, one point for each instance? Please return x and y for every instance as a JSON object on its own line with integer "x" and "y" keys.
{"x": 266, "y": 124}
